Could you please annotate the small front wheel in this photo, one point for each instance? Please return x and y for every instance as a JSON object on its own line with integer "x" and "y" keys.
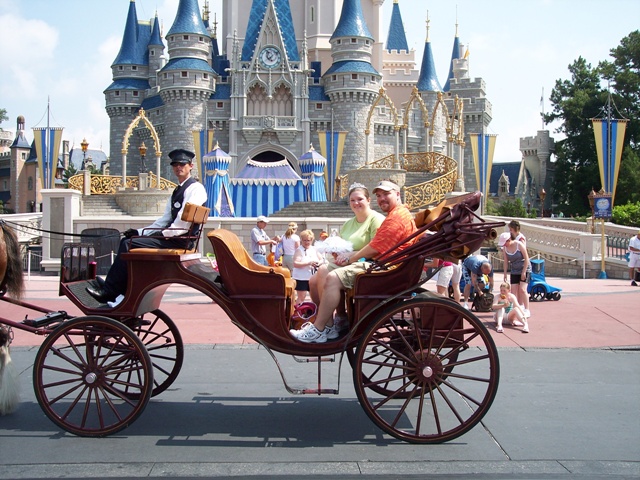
{"x": 538, "y": 292}
{"x": 82, "y": 371}
{"x": 426, "y": 370}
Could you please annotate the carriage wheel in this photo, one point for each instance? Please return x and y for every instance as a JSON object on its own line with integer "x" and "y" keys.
{"x": 538, "y": 293}
{"x": 79, "y": 376}
{"x": 556, "y": 296}
{"x": 437, "y": 364}
{"x": 162, "y": 339}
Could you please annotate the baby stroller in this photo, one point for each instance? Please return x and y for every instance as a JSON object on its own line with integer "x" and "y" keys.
{"x": 538, "y": 287}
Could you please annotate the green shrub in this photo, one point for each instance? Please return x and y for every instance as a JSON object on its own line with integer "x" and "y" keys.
{"x": 627, "y": 215}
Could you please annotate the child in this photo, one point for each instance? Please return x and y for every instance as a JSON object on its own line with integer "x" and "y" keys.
{"x": 305, "y": 262}
{"x": 507, "y": 306}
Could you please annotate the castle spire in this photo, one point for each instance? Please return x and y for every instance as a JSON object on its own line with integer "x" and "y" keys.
{"x": 428, "y": 80}
{"x": 282, "y": 11}
{"x": 188, "y": 19}
{"x": 397, "y": 38}
{"x": 352, "y": 23}
{"x": 156, "y": 37}
{"x": 128, "y": 49}
{"x": 455, "y": 55}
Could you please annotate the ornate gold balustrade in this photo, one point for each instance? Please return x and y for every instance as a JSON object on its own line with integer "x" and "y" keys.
{"x": 423, "y": 194}
{"x": 110, "y": 184}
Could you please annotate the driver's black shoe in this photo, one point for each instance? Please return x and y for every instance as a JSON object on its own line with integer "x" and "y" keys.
{"x": 100, "y": 294}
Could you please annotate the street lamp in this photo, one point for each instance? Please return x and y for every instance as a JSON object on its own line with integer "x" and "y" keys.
{"x": 543, "y": 195}
{"x": 143, "y": 152}
{"x": 84, "y": 145}
{"x": 591, "y": 195}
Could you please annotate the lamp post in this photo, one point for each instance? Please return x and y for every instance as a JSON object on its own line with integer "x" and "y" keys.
{"x": 543, "y": 195}
{"x": 591, "y": 195}
{"x": 84, "y": 145}
{"x": 143, "y": 152}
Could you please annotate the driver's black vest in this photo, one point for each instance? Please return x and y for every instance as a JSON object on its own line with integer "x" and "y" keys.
{"x": 177, "y": 199}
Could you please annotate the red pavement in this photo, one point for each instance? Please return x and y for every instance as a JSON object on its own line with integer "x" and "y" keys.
{"x": 592, "y": 313}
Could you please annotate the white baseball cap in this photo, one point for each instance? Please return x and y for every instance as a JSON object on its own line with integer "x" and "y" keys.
{"x": 502, "y": 239}
{"x": 262, "y": 218}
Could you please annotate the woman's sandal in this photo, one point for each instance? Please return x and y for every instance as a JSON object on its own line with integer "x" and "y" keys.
{"x": 525, "y": 329}
{"x": 499, "y": 329}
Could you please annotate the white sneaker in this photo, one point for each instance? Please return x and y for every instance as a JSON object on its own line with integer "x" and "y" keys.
{"x": 331, "y": 332}
{"x": 466, "y": 306}
{"x": 527, "y": 313}
{"x": 310, "y": 334}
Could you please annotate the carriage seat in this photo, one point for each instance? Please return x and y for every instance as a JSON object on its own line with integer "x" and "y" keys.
{"x": 195, "y": 215}
{"x": 371, "y": 288}
{"x": 241, "y": 275}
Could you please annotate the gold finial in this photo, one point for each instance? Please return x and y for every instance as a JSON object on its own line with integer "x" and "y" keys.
{"x": 215, "y": 25}
{"x": 428, "y": 22}
{"x": 205, "y": 11}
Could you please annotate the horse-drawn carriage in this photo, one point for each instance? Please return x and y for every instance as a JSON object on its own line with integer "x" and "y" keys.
{"x": 425, "y": 370}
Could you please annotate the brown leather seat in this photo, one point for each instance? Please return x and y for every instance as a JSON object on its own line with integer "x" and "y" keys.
{"x": 194, "y": 214}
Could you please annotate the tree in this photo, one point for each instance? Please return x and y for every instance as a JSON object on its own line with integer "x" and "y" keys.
{"x": 583, "y": 97}
{"x": 3, "y": 115}
{"x": 69, "y": 172}
{"x": 574, "y": 102}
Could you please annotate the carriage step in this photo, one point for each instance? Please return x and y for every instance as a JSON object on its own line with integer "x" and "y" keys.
{"x": 46, "y": 320}
{"x": 318, "y": 359}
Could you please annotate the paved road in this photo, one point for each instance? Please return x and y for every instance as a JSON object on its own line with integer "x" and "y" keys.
{"x": 562, "y": 411}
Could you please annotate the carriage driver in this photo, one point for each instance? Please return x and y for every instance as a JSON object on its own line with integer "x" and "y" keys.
{"x": 156, "y": 235}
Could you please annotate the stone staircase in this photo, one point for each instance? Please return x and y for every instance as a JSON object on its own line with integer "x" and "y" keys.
{"x": 100, "y": 206}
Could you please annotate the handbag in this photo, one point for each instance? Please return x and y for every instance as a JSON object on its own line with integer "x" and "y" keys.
{"x": 303, "y": 313}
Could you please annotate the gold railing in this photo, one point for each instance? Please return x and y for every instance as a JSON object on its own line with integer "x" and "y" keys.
{"x": 427, "y": 193}
{"x": 110, "y": 184}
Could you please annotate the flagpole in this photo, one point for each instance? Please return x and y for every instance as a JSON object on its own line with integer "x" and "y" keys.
{"x": 47, "y": 160}
{"x": 332, "y": 180}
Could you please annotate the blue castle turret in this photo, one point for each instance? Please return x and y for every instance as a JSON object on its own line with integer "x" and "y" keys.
{"x": 397, "y": 38}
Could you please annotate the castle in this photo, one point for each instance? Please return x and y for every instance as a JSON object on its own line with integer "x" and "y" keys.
{"x": 280, "y": 75}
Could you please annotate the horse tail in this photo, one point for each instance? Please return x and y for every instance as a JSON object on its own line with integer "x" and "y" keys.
{"x": 13, "y": 281}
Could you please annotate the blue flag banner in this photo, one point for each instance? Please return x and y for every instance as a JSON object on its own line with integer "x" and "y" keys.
{"x": 331, "y": 148}
{"x": 47, "y": 142}
{"x": 482, "y": 147}
{"x": 202, "y": 144}
{"x": 609, "y": 135}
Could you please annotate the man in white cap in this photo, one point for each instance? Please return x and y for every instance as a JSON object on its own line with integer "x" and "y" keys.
{"x": 634, "y": 257}
{"x": 166, "y": 232}
{"x": 260, "y": 240}
{"x": 397, "y": 226}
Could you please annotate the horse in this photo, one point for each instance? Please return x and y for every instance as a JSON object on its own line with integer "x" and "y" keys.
{"x": 11, "y": 277}
{"x": 12, "y": 282}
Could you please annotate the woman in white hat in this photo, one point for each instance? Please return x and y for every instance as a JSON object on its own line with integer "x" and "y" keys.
{"x": 515, "y": 254}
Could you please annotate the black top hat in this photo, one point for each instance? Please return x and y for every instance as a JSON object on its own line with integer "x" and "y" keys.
{"x": 180, "y": 155}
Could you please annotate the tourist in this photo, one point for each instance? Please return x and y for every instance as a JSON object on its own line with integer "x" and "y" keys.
{"x": 260, "y": 240}
{"x": 290, "y": 242}
{"x": 508, "y": 308}
{"x": 515, "y": 255}
{"x": 473, "y": 268}
{"x": 397, "y": 226}
{"x": 634, "y": 257}
{"x": 306, "y": 261}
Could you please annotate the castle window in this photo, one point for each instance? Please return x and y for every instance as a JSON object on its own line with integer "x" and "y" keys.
{"x": 184, "y": 74}
{"x": 201, "y": 39}
{"x": 219, "y": 105}
{"x": 24, "y": 155}
{"x": 354, "y": 76}
{"x": 185, "y": 37}
{"x": 313, "y": 14}
{"x": 366, "y": 42}
{"x": 135, "y": 93}
{"x": 117, "y": 93}
{"x": 5, "y": 185}
{"x": 166, "y": 75}
{"x": 134, "y": 68}
{"x": 319, "y": 106}
{"x": 30, "y": 183}
{"x": 120, "y": 67}
{"x": 354, "y": 40}
{"x": 338, "y": 42}
{"x": 334, "y": 77}
{"x": 153, "y": 53}
{"x": 205, "y": 75}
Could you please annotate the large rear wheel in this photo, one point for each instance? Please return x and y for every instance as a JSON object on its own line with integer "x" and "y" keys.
{"x": 426, "y": 370}
{"x": 82, "y": 371}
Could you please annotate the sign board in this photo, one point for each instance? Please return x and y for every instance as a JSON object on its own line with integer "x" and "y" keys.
{"x": 602, "y": 206}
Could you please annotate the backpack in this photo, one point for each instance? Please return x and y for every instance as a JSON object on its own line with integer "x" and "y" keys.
{"x": 483, "y": 303}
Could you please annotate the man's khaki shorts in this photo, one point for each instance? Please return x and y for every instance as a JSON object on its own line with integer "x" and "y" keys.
{"x": 347, "y": 274}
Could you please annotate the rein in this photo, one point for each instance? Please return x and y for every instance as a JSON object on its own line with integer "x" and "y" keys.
{"x": 25, "y": 229}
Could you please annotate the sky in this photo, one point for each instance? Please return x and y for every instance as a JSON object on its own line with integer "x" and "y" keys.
{"x": 60, "y": 51}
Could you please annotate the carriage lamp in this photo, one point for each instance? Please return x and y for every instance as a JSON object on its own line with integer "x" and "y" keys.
{"x": 543, "y": 195}
{"x": 84, "y": 145}
{"x": 143, "y": 152}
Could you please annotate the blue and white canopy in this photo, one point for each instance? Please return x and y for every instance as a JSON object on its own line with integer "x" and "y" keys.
{"x": 262, "y": 188}
{"x": 215, "y": 177}
{"x": 312, "y": 165}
